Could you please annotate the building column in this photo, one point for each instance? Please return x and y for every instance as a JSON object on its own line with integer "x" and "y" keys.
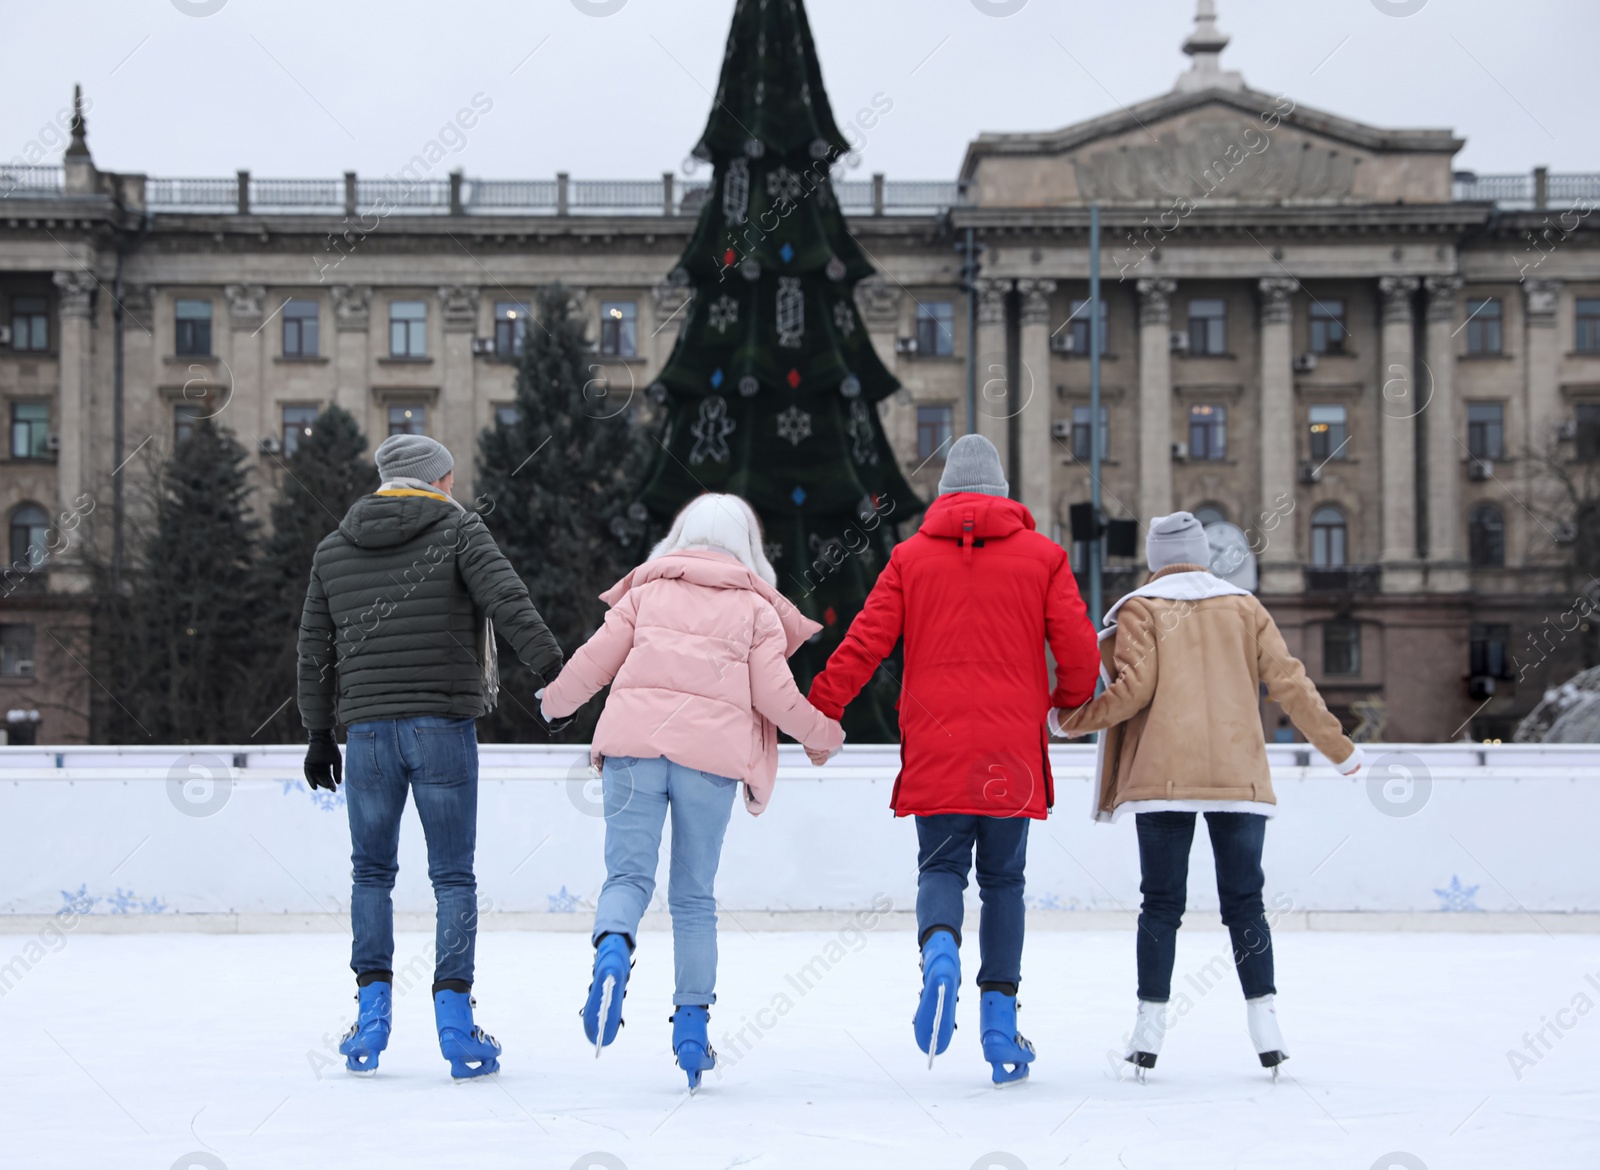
{"x": 1399, "y": 405}
{"x": 1278, "y": 562}
{"x": 1442, "y": 429}
{"x": 995, "y": 400}
{"x": 1545, "y": 410}
{"x": 75, "y": 298}
{"x": 352, "y": 323}
{"x": 243, "y": 404}
{"x": 1155, "y": 396}
{"x": 1036, "y": 447}
{"x": 456, "y": 423}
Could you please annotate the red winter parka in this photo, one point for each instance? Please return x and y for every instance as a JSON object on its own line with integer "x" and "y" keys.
{"x": 976, "y": 594}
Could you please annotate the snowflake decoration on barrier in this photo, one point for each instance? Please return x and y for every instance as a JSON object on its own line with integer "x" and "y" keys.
{"x": 791, "y": 312}
{"x": 794, "y": 424}
{"x": 724, "y": 312}
{"x": 1457, "y": 898}
{"x": 81, "y": 902}
{"x": 711, "y": 432}
{"x": 736, "y": 191}
{"x": 563, "y": 903}
{"x": 862, "y": 448}
{"x": 844, "y": 318}
{"x": 784, "y": 185}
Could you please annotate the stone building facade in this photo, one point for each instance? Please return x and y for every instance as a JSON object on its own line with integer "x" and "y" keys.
{"x": 1314, "y": 329}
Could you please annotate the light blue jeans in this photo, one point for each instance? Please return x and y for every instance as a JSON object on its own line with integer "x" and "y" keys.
{"x": 638, "y": 795}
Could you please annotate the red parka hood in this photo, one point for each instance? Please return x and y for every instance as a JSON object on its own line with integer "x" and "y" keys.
{"x": 985, "y": 517}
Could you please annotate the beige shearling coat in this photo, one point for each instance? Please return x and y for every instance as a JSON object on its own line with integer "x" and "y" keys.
{"x": 1182, "y": 713}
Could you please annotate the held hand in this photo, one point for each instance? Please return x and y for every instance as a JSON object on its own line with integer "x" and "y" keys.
{"x": 324, "y": 766}
{"x": 816, "y": 757}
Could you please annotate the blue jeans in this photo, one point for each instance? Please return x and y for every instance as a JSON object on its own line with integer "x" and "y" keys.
{"x": 638, "y": 795}
{"x": 437, "y": 759}
{"x": 944, "y": 855}
{"x": 1236, "y": 840}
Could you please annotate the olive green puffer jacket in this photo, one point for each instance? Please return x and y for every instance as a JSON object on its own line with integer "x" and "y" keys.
{"x": 394, "y": 614}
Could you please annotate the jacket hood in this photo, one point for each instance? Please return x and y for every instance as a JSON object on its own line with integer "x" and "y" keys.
{"x": 718, "y": 570}
{"x": 990, "y": 516}
{"x": 389, "y": 518}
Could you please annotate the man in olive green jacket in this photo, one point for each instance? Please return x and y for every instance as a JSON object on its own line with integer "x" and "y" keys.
{"x": 397, "y": 642}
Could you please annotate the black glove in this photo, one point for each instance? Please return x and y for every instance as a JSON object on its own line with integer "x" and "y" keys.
{"x": 324, "y": 767}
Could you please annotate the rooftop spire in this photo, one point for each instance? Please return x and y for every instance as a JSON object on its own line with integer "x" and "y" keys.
{"x": 1205, "y": 45}
{"x": 79, "y": 146}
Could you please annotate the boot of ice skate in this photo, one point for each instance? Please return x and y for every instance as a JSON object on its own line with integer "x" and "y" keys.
{"x": 1149, "y": 1030}
{"x": 1262, "y": 1018}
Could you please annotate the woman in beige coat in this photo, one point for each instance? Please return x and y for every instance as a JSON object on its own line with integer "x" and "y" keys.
{"x": 1185, "y": 657}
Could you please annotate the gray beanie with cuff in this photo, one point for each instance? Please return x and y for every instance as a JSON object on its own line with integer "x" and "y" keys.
{"x": 973, "y": 465}
{"x": 413, "y": 457}
{"x": 1178, "y": 539}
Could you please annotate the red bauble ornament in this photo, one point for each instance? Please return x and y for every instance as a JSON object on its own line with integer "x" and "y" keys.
{"x": 794, "y": 379}
{"x": 830, "y": 615}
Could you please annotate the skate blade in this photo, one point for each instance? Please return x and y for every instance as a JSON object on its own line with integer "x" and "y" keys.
{"x": 938, "y": 1021}
{"x": 1139, "y": 1074}
{"x": 1005, "y": 1078}
{"x": 361, "y": 1072}
{"x": 605, "y": 1012}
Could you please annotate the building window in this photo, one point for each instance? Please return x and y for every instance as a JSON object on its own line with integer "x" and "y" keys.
{"x": 1330, "y": 432}
{"x": 510, "y": 327}
{"x": 1208, "y": 432}
{"x": 297, "y": 423}
{"x": 1487, "y": 650}
{"x": 1486, "y": 430}
{"x": 1486, "y": 537}
{"x": 193, "y": 337}
{"x": 1081, "y": 418}
{"x": 934, "y": 427}
{"x": 185, "y": 417}
{"x": 1328, "y": 332}
{"x": 1078, "y": 328}
{"x": 1341, "y": 647}
{"x": 1329, "y": 538}
{"x": 1587, "y": 416}
{"x": 1210, "y": 514}
{"x": 1208, "y": 327}
{"x": 408, "y": 329}
{"x": 30, "y": 430}
{"x": 408, "y": 420}
{"x": 300, "y": 329}
{"x": 1588, "y": 333}
{"x": 1485, "y": 334}
{"x": 16, "y": 653}
{"x": 619, "y": 329}
{"x": 506, "y": 414}
{"x": 30, "y": 324}
{"x": 936, "y": 336}
{"x": 30, "y": 528}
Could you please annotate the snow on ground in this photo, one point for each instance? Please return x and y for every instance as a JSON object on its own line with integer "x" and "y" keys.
{"x": 204, "y": 1051}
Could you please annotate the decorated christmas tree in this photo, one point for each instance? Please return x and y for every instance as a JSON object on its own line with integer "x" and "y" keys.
{"x": 772, "y": 390}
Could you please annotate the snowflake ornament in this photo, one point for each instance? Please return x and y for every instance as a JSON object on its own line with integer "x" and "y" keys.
{"x": 724, "y": 312}
{"x": 844, "y": 318}
{"x": 863, "y": 447}
{"x": 784, "y": 185}
{"x": 794, "y": 424}
{"x": 1457, "y": 898}
{"x": 835, "y": 269}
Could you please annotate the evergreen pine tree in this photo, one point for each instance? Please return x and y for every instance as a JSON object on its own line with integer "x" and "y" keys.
{"x": 772, "y": 390}
{"x": 189, "y": 635}
{"x": 328, "y": 471}
{"x": 554, "y": 487}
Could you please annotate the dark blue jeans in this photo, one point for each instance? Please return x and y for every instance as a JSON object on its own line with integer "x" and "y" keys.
{"x": 437, "y": 760}
{"x": 944, "y": 857}
{"x": 1236, "y": 839}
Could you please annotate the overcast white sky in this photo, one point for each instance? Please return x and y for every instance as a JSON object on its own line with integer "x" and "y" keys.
{"x": 299, "y": 88}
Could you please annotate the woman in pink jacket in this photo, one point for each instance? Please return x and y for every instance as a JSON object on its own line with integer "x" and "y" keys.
{"x": 696, "y": 648}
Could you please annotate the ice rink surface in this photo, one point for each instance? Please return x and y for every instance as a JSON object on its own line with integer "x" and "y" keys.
{"x": 208, "y": 1051}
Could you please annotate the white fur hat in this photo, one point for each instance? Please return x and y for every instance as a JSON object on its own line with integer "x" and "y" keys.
{"x": 722, "y": 522}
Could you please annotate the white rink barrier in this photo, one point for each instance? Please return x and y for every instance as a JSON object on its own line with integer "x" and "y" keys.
{"x": 1452, "y": 829}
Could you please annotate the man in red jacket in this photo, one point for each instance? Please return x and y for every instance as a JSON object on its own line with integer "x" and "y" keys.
{"x": 976, "y": 594}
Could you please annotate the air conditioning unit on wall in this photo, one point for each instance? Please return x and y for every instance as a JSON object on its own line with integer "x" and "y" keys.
{"x": 1310, "y": 473}
{"x": 1305, "y": 363}
{"x": 1063, "y": 343}
{"x": 483, "y": 346}
{"x": 1061, "y": 428}
{"x": 53, "y": 444}
{"x": 271, "y": 445}
{"x": 1180, "y": 451}
{"x": 5, "y": 335}
{"x": 1480, "y": 469}
{"x": 905, "y": 345}
{"x": 1178, "y": 341}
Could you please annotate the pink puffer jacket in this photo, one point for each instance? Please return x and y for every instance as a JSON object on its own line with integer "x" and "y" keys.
{"x": 697, "y": 645}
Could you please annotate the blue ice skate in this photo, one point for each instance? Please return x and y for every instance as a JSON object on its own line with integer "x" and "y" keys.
{"x": 471, "y": 1051}
{"x": 1003, "y": 1046}
{"x": 602, "y": 1013}
{"x": 369, "y": 1035}
{"x": 695, "y": 1054}
{"x": 935, "y": 1020}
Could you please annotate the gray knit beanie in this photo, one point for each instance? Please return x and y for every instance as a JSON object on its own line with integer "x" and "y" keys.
{"x": 413, "y": 457}
{"x": 973, "y": 465}
{"x": 1178, "y": 539}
